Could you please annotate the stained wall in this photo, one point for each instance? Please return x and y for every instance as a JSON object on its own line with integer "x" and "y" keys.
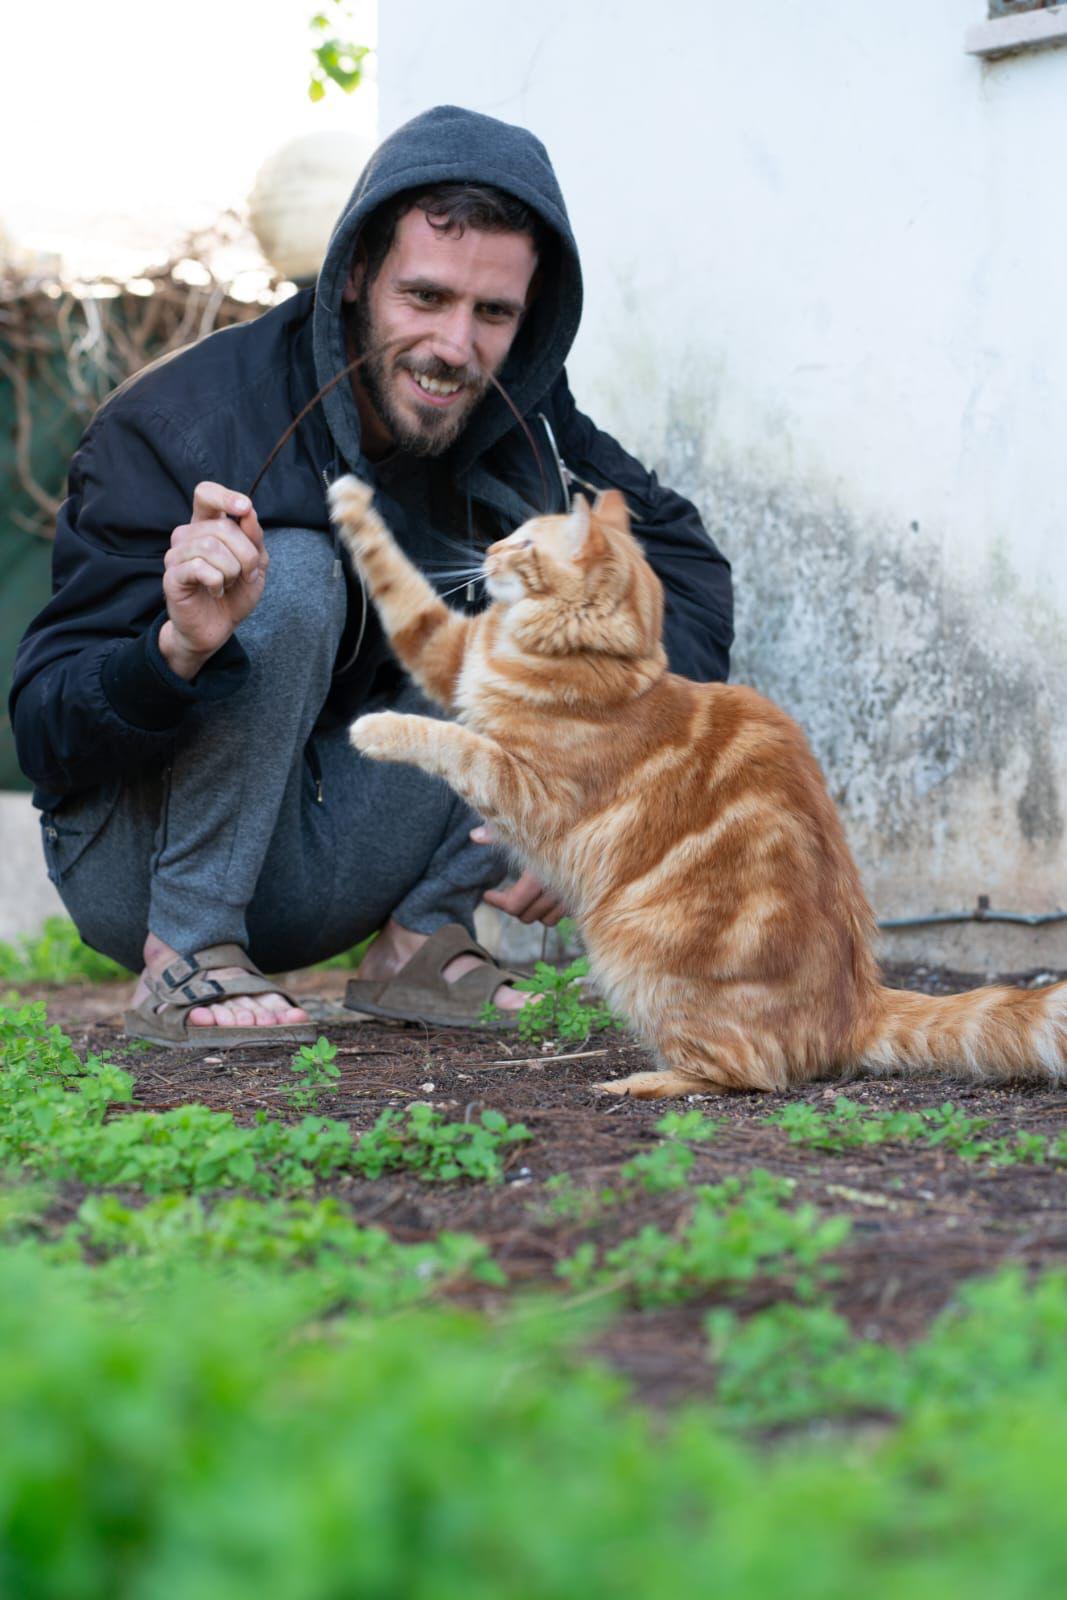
{"x": 825, "y": 255}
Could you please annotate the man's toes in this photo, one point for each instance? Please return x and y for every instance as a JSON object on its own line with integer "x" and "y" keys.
{"x": 276, "y": 1011}
{"x": 248, "y": 1011}
{"x": 509, "y": 999}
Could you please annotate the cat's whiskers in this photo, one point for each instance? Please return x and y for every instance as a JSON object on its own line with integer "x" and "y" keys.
{"x": 467, "y": 583}
{"x": 445, "y": 573}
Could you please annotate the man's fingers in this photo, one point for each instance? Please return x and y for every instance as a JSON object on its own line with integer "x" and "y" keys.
{"x": 196, "y": 573}
{"x": 217, "y": 540}
{"x": 545, "y": 908}
{"x": 214, "y": 553}
{"x": 542, "y": 910}
{"x": 522, "y": 893}
{"x": 212, "y": 499}
{"x": 527, "y": 899}
{"x": 249, "y": 525}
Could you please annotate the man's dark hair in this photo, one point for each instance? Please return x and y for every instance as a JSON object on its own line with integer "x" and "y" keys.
{"x": 452, "y": 208}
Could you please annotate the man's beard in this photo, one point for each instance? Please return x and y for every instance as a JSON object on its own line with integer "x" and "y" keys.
{"x": 436, "y": 429}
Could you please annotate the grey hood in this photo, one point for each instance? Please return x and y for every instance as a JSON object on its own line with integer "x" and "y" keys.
{"x": 451, "y": 145}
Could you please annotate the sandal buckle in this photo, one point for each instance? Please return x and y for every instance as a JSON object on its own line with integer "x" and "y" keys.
{"x": 204, "y": 990}
{"x": 180, "y": 972}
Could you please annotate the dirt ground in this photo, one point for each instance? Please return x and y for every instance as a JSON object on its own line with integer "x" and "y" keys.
{"x": 922, "y": 1220}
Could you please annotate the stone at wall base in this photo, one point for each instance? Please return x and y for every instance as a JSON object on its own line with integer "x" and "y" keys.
{"x": 26, "y": 896}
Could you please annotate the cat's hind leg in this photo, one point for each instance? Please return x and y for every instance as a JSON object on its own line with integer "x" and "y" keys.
{"x": 723, "y": 1061}
{"x": 655, "y": 1085}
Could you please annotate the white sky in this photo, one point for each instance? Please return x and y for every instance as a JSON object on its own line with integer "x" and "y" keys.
{"x": 125, "y": 122}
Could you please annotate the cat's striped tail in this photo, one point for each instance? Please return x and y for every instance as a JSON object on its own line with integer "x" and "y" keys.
{"x": 994, "y": 1033}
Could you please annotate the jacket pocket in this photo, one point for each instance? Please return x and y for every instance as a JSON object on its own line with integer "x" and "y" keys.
{"x": 70, "y": 828}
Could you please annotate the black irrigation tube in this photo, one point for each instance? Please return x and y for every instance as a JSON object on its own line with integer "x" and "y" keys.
{"x": 981, "y": 913}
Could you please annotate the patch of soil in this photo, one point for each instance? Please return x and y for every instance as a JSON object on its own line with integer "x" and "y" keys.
{"x": 922, "y": 1220}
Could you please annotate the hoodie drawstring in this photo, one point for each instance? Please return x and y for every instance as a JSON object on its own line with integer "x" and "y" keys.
{"x": 470, "y": 541}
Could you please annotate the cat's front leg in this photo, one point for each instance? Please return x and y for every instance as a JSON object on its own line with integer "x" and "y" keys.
{"x": 388, "y": 736}
{"x": 427, "y": 638}
{"x": 491, "y": 781}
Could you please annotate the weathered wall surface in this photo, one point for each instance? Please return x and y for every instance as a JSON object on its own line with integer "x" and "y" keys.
{"x": 824, "y": 251}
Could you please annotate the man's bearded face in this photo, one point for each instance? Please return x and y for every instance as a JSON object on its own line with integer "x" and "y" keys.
{"x": 440, "y": 316}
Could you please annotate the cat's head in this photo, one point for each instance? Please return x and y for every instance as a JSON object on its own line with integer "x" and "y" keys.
{"x": 578, "y": 582}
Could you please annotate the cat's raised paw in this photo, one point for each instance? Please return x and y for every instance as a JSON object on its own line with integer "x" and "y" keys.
{"x": 350, "y": 505}
{"x": 377, "y": 734}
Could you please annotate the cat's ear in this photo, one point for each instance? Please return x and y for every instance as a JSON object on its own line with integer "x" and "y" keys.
{"x": 586, "y": 540}
{"x": 578, "y": 524}
{"x": 610, "y": 507}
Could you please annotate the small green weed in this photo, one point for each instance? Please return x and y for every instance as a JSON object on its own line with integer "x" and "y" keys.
{"x": 735, "y": 1232}
{"x": 55, "y": 1120}
{"x": 568, "y": 1202}
{"x": 56, "y": 955}
{"x": 666, "y": 1166}
{"x": 848, "y": 1127}
{"x": 419, "y": 1140}
{"x": 558, "y": 1010}
{"x": 692, "y": 1125}
{"x": 316, "y": 1073}
{"x": 791, "y": 1363}
{"x": 669, "y": 1163}
{"x": 348, "y": 1265}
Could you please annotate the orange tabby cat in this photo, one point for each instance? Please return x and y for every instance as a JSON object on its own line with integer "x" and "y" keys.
{"x": 687, "y": 825}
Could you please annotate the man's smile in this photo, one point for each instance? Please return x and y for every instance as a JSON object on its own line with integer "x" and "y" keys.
{"x": 435, "y": 391}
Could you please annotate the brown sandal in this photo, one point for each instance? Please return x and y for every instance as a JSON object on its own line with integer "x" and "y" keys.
{"x": 186, "y": 983}
{"x": 418, "y": 992}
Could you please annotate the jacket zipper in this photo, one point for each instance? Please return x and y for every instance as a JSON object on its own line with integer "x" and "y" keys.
{"x": 567, "y": 478}
{"x": 315, "y": 768}
{"x": 333, "y": 527}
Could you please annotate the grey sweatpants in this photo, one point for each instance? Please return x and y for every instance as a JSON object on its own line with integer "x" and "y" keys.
{"x": 263, "y": 832}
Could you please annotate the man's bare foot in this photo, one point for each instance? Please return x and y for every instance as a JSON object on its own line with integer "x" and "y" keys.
{"x": 246, "y": 1011}
{"x": 394, "y": 948}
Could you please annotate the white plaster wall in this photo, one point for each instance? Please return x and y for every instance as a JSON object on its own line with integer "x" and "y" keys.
{"x": 824, "y": 254}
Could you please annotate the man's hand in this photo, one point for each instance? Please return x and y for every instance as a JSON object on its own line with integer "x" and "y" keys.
{"x": 213, "y": 577}
{"x": 527, "y": 899}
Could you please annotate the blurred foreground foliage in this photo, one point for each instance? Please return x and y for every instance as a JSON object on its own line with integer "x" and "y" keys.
{"x": 216, "y": 1437}
{"x": 212, "y": 1394}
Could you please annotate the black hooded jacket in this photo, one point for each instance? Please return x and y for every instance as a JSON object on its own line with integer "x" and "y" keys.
{"x": 93, "y": 699}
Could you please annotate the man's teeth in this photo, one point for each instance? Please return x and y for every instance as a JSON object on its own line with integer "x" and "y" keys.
{"x": 434, "y": 385}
